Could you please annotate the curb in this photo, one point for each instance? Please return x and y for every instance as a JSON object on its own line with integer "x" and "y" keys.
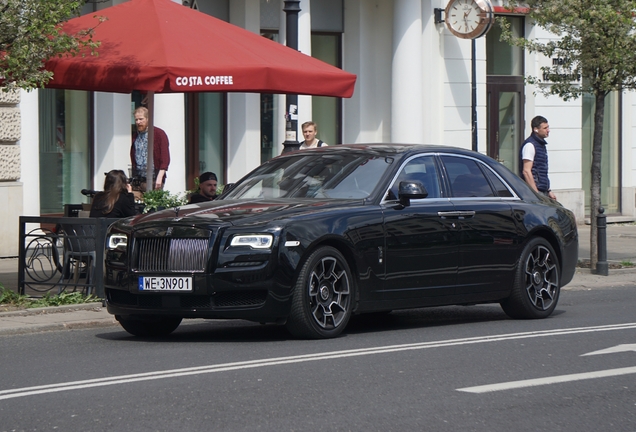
{"x": 96, "y": 306}
{"x": 55, "y": 318}
{"x": 58, "y": 326}
{"x": 621, "y": 271}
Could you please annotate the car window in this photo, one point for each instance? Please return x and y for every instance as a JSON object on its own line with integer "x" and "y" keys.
{"x": 420, "y": 169}
{"x": 466, "y": 178}
{"x": 499, "y": 186}
{"x": 313, "y": 175}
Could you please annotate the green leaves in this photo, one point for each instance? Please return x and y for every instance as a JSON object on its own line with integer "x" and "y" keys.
{"x": 11, "y": 298}
{"x": 593, "y": 39}
{"x": 30, "y": 34}
{"x": 159, "y": 198}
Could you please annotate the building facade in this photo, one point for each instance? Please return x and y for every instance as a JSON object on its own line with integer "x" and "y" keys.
{"x": 414, "y": 86}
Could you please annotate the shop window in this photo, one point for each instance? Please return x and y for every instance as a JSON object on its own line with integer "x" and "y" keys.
{"x": 327, "y": 16}
{"x": 206, "y": 144}
{"x": 611, "y": 150}
{"x": 65, "y": 148}
{"x": 271, "y": 142}
{"x": 327, "y": 111}
{"x": 503, "y": 58}
{"x": 270, "y": 14}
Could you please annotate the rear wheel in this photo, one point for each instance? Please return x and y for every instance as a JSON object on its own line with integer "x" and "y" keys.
{"x": 148, "y": 326}
{"x": 537, "y": 282}
{"x": 323, "y": 296}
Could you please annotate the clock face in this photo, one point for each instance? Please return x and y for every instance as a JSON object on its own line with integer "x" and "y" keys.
{"x": 469, "y": 19}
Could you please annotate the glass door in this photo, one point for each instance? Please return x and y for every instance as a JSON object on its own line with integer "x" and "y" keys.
{"x": 505, "y": 119}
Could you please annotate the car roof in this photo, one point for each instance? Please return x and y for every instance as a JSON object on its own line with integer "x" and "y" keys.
{"x": 388, "y": 149}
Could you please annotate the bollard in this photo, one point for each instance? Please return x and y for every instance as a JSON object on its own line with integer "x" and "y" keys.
{"x": 601, "y": 229}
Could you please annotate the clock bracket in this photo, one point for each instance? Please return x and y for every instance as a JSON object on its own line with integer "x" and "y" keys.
{"x": 438, "y": 12}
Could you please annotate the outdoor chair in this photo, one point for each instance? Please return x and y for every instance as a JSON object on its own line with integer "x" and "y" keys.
{"x": 79, "y": 255}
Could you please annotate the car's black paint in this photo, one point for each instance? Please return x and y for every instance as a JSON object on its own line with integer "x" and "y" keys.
{"x": 403, "y": 252}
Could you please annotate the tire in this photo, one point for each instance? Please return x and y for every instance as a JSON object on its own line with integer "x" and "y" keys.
{"x": 537, "y": 282}
{"x": 148, "y": 326}
{"x": 323, "y": 296}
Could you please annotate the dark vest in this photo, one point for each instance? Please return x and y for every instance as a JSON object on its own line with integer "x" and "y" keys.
{"x": 540, "y": 163}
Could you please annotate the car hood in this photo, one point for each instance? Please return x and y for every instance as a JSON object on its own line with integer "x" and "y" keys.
{"x": 239, "y": 212}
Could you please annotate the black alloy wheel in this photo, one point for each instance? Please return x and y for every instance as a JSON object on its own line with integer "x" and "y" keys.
{"x": 537, "y": 282}
{"x": 323, "y": 296}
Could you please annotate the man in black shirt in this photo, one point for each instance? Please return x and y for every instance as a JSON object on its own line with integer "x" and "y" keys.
{"x": 207, "y": 188}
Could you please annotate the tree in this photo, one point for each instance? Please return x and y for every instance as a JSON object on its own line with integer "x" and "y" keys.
{"x": 30, "y": 34}
{"x": 595, "y": 54}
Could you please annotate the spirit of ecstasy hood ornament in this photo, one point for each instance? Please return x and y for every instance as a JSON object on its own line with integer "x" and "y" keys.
{"x": 176, "y": 211}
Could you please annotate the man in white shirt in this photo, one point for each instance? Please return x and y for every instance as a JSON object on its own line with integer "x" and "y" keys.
{"x": 310, "y": 129}
{"x": 534, "y": 158}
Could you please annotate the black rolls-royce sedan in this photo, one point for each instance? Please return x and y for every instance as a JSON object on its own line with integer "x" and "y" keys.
{"x": 312, "y": 237}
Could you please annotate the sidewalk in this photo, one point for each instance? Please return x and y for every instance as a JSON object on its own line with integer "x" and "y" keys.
{"x": 621, "y": 247}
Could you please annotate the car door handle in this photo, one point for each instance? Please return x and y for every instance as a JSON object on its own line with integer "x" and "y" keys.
{"x": 457, "y": 214}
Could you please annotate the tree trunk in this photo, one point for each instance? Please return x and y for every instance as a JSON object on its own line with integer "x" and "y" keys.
{"x": 595, "y": 193}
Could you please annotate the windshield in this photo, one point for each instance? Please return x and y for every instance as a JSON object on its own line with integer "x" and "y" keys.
{"x": 314, "y": 175}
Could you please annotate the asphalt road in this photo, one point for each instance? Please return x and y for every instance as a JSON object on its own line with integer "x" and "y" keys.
{"x": 441, "y": 369}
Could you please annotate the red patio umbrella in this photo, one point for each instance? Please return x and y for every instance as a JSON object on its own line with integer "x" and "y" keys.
{"x": 163, "y": 47}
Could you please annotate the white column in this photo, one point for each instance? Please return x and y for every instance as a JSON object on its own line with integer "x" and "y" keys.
{"x": 30, "y": 152}
{"x": 244, "y": 128}
{"x": 113, "y": 126}
{"x": 406, "y": 98}
{"x": 368, "y": 54}
{"x": 169, "y": 116}
{"x": 432, "y": 76}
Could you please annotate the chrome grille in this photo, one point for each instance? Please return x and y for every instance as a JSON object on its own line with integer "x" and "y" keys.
{"x": 166, "y": 254}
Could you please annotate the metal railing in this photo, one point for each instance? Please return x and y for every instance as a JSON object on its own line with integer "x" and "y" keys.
{"x": 62, "y": 254}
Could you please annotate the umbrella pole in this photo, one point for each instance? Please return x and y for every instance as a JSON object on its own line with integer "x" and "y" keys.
{"x": 150, "y": 166}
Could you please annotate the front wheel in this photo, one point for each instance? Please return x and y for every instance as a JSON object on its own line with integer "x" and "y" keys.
{"x": 537, "y": 282}
{"x": 323, "y": 296}
{"x": 148, "y": 326}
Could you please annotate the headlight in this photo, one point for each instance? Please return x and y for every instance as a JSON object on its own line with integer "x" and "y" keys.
{"x": 117, "y": 241}
{"x": 256, "y": 241}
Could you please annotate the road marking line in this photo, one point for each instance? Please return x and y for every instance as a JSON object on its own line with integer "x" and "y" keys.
{"x": 250, "y": 364}
{"x": 613, "y": 350}
{"x": 548, "y": 380}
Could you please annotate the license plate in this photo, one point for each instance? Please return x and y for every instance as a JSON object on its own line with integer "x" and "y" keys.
{"x": 165, "y": 283}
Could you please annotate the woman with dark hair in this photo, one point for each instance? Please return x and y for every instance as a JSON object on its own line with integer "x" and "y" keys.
{"x": 117, "y": 200}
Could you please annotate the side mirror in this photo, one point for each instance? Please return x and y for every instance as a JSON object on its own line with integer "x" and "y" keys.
{"x": 409, "y": 190}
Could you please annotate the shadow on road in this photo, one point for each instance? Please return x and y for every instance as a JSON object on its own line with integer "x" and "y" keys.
{"x": 239, "y": 331}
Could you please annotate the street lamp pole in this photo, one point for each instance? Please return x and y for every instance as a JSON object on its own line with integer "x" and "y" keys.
{"x": 291, "y": 8}
{"x": 473, "y": 102}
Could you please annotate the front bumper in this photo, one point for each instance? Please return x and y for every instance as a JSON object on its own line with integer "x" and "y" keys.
{"x": 263, "y": 301}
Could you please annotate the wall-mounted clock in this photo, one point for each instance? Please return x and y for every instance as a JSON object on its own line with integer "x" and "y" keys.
{"x": 469, "y": 19}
